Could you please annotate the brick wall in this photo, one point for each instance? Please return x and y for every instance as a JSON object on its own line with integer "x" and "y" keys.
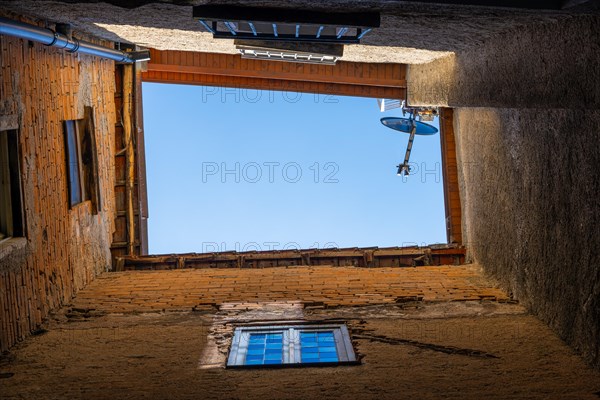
{"x": 40, "y": 87}
{"x": 325, "y": 285}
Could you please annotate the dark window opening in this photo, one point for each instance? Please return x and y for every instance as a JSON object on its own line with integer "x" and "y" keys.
{"x": 82, "y": 163}
{"x": 11, "y": 210}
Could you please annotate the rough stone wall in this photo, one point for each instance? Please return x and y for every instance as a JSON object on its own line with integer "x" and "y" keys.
{"x": 530, "y": 199}
{"x": 40, "y": 87}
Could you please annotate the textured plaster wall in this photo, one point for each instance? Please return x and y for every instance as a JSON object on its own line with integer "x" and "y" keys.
{"x": 531, "y": 211}
{"x": 544, "y": 64}
{"x": 529, "y": 164}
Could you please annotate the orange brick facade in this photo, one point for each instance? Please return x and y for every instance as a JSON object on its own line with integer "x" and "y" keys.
{"x": 185, "y": 290}
{"x": 63, "y": 249}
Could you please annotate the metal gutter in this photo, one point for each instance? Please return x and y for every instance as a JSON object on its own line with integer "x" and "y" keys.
{"x": 52, "y": 38}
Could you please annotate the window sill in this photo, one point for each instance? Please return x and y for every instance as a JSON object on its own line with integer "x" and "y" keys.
{"x": 84, "y": 206}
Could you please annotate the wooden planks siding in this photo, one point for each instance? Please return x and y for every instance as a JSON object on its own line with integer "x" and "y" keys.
{"x": 450, "y": 173}
{"x": 227, "y": 70}
{"x": 64, "y": 249}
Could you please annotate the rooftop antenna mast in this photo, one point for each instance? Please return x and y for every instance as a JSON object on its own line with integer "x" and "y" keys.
{"x": 411, "y": 126}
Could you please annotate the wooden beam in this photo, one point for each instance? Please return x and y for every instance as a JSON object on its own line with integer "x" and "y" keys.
{"x": 450, "y": 175}
{"x": 267, "y": 84}
{"x": 279, "y": 75}
{"x": 359, "y": 257}
{"x": 130, "y": 154}
{"x": 142, "y": 216}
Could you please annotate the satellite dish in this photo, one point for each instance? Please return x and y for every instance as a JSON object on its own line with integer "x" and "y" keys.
{"x": 405, "y": 125}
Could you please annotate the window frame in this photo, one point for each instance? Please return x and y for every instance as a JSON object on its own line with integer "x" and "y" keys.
{"x": 292, "y": 351}
{"x": 14, "y": 209}
{"x": 86, "y": 181}
{"x": 73, "y": 150}
{"x": 301, "y": 25}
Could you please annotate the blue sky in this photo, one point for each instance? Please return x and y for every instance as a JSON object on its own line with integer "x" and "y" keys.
{"x": 240, "y": 169}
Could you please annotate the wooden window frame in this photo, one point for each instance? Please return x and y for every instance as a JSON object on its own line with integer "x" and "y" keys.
{"x": 86, "y": 161}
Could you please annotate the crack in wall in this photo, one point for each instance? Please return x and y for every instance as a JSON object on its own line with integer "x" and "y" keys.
{"x": 426, "y": 346}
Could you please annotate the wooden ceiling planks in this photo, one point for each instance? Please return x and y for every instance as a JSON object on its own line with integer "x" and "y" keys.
{"x": 383, "y": 80}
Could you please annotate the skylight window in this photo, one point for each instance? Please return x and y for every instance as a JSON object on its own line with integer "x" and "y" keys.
{"x": 291, "y": 345}
{"x": 285, "y": 24}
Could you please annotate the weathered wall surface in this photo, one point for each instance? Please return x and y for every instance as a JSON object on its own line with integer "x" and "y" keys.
{"x": 40, "y": 87}
{"x": 545, "y": 64}
{"x": 166, "y": 335}
{"x": 325, "y": 286}
{"x": 160, "y": 356}
{"x": 528, "y": 165}
{"x": 531, "y": 210}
